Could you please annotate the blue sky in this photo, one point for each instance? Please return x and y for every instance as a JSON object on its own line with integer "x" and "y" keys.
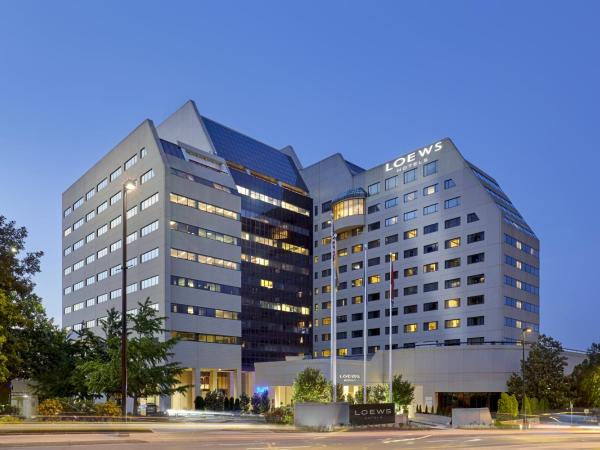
{"x": 514, "y": 84}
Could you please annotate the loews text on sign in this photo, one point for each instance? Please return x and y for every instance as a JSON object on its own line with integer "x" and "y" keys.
{"x": 372, "y": 414}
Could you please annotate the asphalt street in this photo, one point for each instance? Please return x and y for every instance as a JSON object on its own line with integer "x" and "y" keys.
{"x": 180, "y": 438}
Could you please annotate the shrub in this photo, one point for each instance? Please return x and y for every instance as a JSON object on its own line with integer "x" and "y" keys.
{"x": 260, "y": 402}
{"x": 9, "y": 410}
{"x": 10, "y": 419}
{"x": 110, "y": 409}
{"x": 215, "y": 400}
{"x": 244, "y": 403}
{"x": 311, "y": 385}
{"x": 50, "y": 407}
{"x": 281, "y": 415}
{"x": 508, "y": 406}
{"x": 236, "y": 405}
{"x": 199, "y": 404}
{"x": 231, "y": 404}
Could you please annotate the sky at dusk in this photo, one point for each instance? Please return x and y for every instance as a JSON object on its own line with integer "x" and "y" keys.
{"x": 515, "y": 84}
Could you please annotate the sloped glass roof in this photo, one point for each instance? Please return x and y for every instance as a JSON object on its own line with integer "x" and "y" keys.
{"x": 253, "y": 154}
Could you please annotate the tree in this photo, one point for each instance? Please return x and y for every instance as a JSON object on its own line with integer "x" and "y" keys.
{"x": 585, "y": 379}
{"x": 508, "y": 407}
{"x": 544, "y": 373}
{"x": 244, "y": 402}
{"x": 311, "y": 386}
{"x": 150, "y": 370}
{"x": 24, "y": 327}
{"x": 379, "y": 393}
{"x": 403, "y": 393}
{"x": 199, "y": 403}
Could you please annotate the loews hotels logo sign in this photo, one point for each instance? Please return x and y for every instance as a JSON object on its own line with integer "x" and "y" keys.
{"x": 414, "y": 159}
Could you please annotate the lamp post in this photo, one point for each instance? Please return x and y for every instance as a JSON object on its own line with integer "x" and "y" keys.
{"x": 525, "y": 330}
{"x": 127, "y": 186}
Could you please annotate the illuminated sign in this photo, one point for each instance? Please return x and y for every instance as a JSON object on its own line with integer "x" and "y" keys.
{"x": 349, "y": 378}
{"x": 414, "y": 159}
{"x": 367, "y": 414}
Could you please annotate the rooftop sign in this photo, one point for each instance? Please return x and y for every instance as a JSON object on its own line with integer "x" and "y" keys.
{"x": 414, "y": 159}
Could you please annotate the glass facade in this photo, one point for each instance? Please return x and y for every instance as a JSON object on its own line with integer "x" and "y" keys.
{"x": 276, "y": 248}
{"x": 350, "y": 207}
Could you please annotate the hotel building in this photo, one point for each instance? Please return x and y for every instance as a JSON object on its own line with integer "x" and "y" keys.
{"x": 218, "y": 235}
{"x": 230, "y": 239}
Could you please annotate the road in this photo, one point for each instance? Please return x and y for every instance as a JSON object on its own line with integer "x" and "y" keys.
{"x": 176, "y": 437}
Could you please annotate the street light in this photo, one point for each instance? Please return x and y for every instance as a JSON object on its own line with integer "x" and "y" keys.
{"x": 525, "y": 330}
{"x": 129, "y": 185}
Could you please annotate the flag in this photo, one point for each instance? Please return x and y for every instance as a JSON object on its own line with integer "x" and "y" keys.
{"x": 334, "y": 256}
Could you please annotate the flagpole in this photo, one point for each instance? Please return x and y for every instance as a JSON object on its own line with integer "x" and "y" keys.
{"x": 365, "y": 348}
{"x": 390, "y": 325}
{"x": 333, "y": 310}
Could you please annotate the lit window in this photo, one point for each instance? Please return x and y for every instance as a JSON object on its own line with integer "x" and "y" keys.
{"x": 373, "y": 279}
{"x": 391, "y": 221}
{"x": 452, "y": 323}
{"x": 431, "y": 267}
{"x": 430, "y": 326}
{"x": 453, "y": 243}
{"x": 266, "y": 284}
{"x": 410, "y": 328}
{"x": 410, "y": 234}
{"x": 452, "y": 303}
{"x": 430, "y": 190}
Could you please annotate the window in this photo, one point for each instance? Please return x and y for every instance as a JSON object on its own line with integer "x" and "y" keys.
{"x": 131, "y": 161}
{"x": 149, "y": 202}
{"x": 373, "y": 332}
{"x": 452, "y": 263}
{"x": 452, "y": 323}
{"x": 411, "y": 252}
{"x": 452, "y": 203}
{"x": 373, "y": 208}
{"x": 68, "y": 251}
{"x": 373, "y": 244}
{"x": 373, "y": 314}
{"x": 520, "y": 245}
{"x": 410, "y": 215}
{"x": 391, "y": 239}
{"x": 90, "y": 237}
{"x": 78, "y": 265}
{"x": 78, "y": 224}
{"x": 357, "y": 282}
{"x": 67, "y": 211}
{"x": 391, "y": 221}
{"x": 357, "y": 300}
{"x": 102, "y": 276}
{"x": 78, "y": 203}
{"x": 430, "y": 190}
{"x": 476, "y": 279}
{"x": 149, "y": 282}
{"x": 410, "y": 234}
{"x": 357, "y": 248}
{"x": 475, "y": 321}
{"x": 449, "y": 183}
{"x": 77, "y": 245}
{"x": 410, "y": 290}
{"x": 325, "y": 207}
{"x": 143, "y": 153}
{"x": 372, "y": 262}
{"x": 472, "y": 217}
{"x": 452, "y": 243}
{"x": 410, "y": 176}
{"x": 430, "y": 306}
{"x": 374, "y": 226}
{"x": 68, "y": 309}
{"x": 68, "y": 270}
{"x": 476, "y": 258}
{"x": 116, "y": 174}
{"x": 452, "y": 303}
{"x": 149, "y": 228}
{"x": 430, "y": 209}
{"x": 411, "y": 271}
{"x": 115, "y": 246}
{"x": 131, "y": 262}
{"x": 431, "y": 267}
{"x": 115, "y": 270}
{"x": 431, "y": 228}
{"x": 89, "y": 216}
{"x": 147, "y": 176}
{"x": 475, "y": 341}
{"x": 475, "y": 237}
{"x": 374, "y": 188}
{"x": 115, "y": 222}
{"x": 430, "y": 326}
{"x": 391, "y": 183}
{"x": 374, "y": 279}
{"x": 451, "y": 223}
{"x": 518, "y": 304}
{"x": 350, "y": 207}
{"x": 510, "y": 281}
{"x": 475, "y": 300}
{"x": 410, "y": 309}
{"x": 410, "y": 328}
{"x": 430, "y": 248}
{"x": 102, "y": 185}
{"x": 410, "y": 196}
{"x": 453, "y": 283}
{"x": 343, "y": 252}
{"x": 521, "y": 265}
{"x": 149, "y": 255}
{"x": 392, "y": 255}
{"x": 115, "y": 294}
{"x": 77, "y": 286}
{"x": 391, "y": 202}
{"x": 102, "y": 253}
{"x": 430, "y": 168}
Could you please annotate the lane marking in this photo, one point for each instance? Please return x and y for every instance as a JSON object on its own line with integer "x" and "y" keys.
{"x": 391, "y": 441}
